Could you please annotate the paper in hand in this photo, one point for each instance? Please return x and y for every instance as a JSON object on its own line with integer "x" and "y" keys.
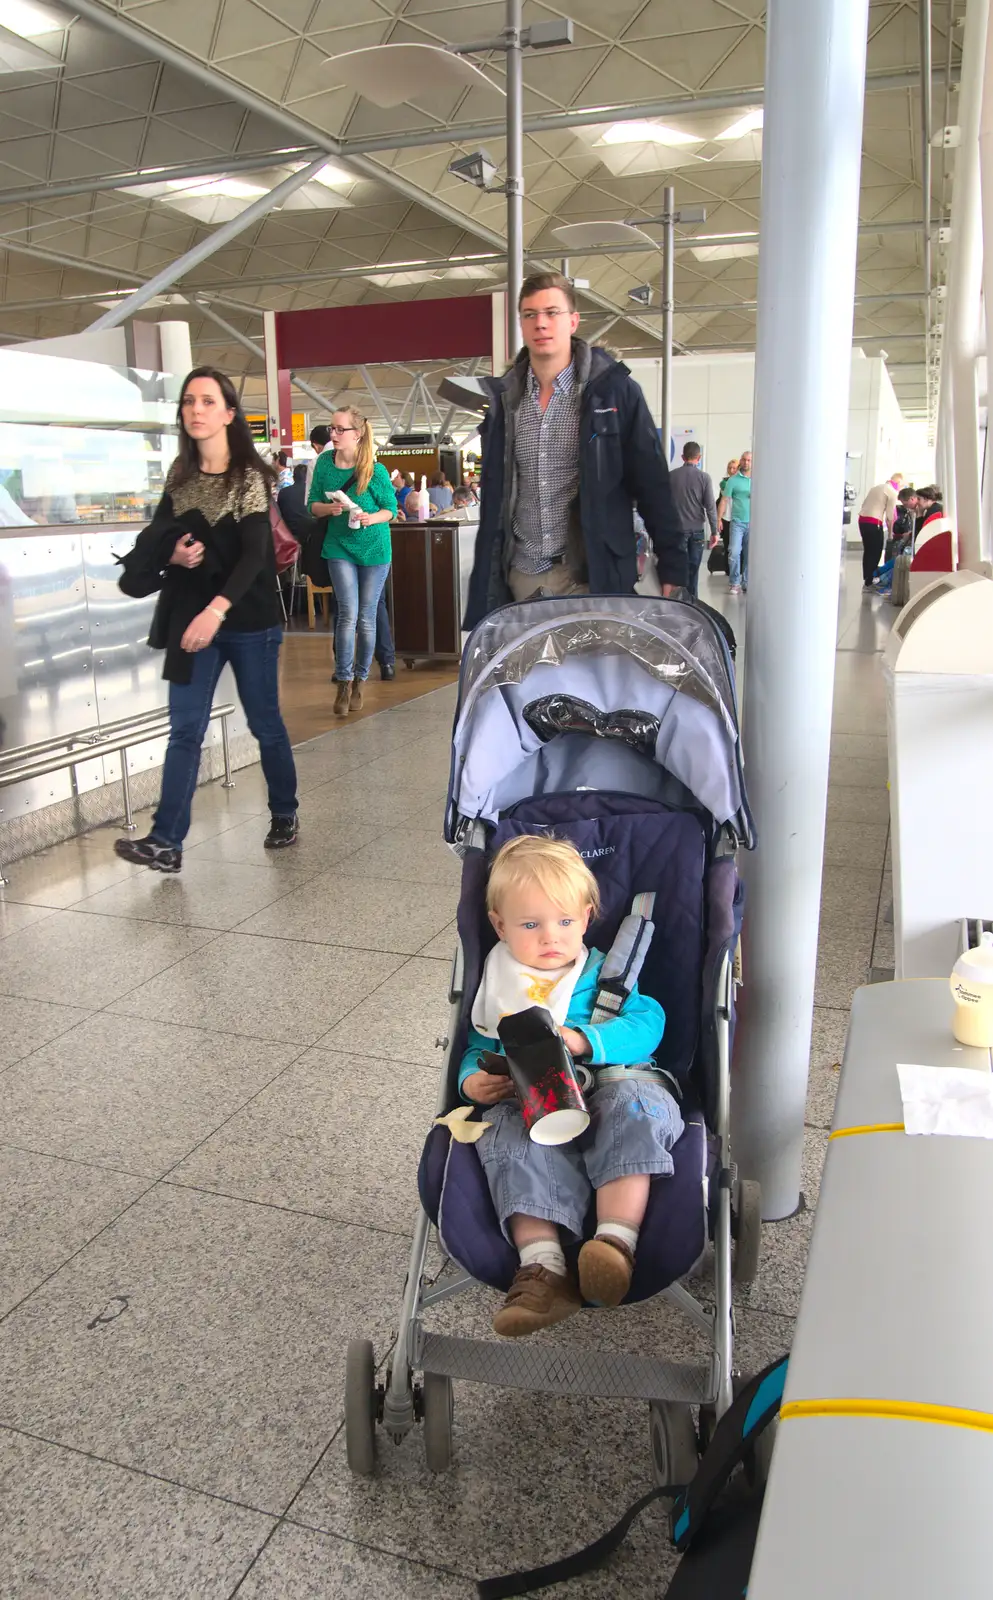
{"x": 956, "y": 1102}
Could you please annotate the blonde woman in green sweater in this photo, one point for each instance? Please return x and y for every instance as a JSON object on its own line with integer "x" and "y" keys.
{"x": 356, "y": 546}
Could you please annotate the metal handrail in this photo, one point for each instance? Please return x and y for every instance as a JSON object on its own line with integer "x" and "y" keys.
{"x": 114, "y": 738}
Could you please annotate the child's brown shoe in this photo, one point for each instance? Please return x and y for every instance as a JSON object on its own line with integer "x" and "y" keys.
{"x": 536, "y": 1299}
{"x": 605, "y": 1268}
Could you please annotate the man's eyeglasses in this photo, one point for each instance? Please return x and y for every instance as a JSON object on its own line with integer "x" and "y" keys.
{"x": 343, "y": 430}
{"x": 551, "y": 313}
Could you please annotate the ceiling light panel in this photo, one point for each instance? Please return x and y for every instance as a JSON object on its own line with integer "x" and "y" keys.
{"x": 751, "y": 122}
{"x": 647, "y": 133}
{"x": 29, "y": 19}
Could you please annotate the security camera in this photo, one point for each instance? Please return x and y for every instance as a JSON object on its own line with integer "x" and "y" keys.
{"x": 477, "y": 169}
{"x": 642, "y": 295}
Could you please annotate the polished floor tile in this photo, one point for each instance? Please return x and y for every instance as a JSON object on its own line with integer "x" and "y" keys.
{"x": 827, "y": 1048}
{"x": 316, "y": 1140}
{"x": 320, "y": 844}
{"x": 361, "y": 911}
{"x": 306, "y": 1565}
{"x": 442, "y": 946}
{"x": 408, "y": 856}
{"x": 136, "y": 1095}
{"x": 206, "y": 894}
{"x": 268, "y": 988}
{"x": 27, "y": 1024}
{"x": 200, "y": 1339}
{"x": 87, "y": 960}
{"x": 404, "y": 1020}
{"x": 65, "y": 873}
{"x": 514, "y": 1451}
{"x": 75, "y": 1528}
{"x": 14, "y": 918}
{"x": 51, "y": 1208}
{"x": 352, "y": 797}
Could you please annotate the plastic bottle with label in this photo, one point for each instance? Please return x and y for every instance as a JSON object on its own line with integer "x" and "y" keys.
{"x": 972, "y": 990}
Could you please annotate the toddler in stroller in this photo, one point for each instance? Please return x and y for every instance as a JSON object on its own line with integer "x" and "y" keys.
{"x": 540, "y": 897}
{"x": 607, "y": 723}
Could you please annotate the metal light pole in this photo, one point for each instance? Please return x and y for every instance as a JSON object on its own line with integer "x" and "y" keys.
{"x": 515, "y": 172}
{"x": 668, "y": 297}
{"x": 811, "y": 160}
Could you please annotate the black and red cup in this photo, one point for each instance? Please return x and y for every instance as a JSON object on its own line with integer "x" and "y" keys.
{"x": 544, "y": 1076}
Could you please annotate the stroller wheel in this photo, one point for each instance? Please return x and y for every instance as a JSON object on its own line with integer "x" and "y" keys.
{"x": 437, "y": 1404}
{"x": 360, "y": 1407}
{"x": 746, "y": 1227}
{"x": 675, "y": 1450}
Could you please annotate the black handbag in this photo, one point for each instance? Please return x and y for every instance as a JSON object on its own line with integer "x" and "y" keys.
{"x": 717, "y": 561}
{"x": 311, "y": 539}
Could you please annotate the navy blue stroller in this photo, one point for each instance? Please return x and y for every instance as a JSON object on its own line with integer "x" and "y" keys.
{"x": 612, "y": 722}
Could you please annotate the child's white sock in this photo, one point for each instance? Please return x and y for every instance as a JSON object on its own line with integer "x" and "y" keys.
{"x": 619, "y": 1231}
{"x": 546, "y": 1253}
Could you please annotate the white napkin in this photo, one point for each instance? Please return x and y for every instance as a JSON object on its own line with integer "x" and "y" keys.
{"x": 954, "y": 1101}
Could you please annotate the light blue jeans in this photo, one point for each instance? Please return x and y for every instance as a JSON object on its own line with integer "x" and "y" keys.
{"x": 738, "y": 554}
{"x": 356, "y": 594}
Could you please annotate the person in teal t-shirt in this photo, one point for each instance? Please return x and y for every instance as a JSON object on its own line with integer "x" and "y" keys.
{"x": 358, "y": 557}
{"x": 738, "y": 489}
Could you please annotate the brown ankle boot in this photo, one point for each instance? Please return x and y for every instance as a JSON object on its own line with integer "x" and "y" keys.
{"x": 536, "y": 1299}
{"x": 355, "y": 704}
{"x": 341, "y": 700}
{"x": 605, "y": 1269}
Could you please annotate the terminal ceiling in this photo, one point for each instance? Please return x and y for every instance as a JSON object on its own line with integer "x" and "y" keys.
{"x": 115, "y": 104}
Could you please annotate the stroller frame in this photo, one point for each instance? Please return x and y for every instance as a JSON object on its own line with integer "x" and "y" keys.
{"x": 521, "y": 1364}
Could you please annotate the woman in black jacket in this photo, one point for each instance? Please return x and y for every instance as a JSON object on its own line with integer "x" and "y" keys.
{"x": 209, "y": 552}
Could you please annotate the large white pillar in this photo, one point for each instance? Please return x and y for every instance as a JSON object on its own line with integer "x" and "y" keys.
{"x": 965, "y": 276}
{"x": 811, "y": 160}
{"x": 986, "y": 188}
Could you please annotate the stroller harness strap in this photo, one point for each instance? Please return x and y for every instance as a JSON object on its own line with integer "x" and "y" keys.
{"x": 625, "y": 959}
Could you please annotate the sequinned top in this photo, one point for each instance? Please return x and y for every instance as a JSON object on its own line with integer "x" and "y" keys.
{"x": 231, "y": 517}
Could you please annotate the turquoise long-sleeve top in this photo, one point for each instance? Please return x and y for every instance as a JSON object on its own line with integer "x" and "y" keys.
{"x": 625, "y": 1041}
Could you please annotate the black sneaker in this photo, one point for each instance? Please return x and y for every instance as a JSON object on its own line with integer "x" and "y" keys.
{"x": 149, "y": 853}
{"x": 387, "y": 671}
{"x": 282, "y": 832}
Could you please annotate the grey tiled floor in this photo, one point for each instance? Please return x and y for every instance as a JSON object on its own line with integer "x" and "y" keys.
{"x": 213, "y": 1092}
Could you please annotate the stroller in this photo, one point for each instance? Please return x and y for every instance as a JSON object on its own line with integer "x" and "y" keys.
{"x": 611, "y": 722}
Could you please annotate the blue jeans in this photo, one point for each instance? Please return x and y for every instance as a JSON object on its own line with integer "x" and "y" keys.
{"x": 254, "y": 659}
{"x": 694, "y": 555}
{"x": 633, "y": 1128}
{"x": 385, "y": 653}
{"x": 738, "y": 554}
{"x": 357, "y": 592}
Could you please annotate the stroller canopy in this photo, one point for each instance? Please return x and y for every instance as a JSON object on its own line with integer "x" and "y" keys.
{"x": 610, "y": 692}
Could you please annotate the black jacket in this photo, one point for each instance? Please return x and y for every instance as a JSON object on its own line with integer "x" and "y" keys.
{"x": 239, "y": 562}
{"x": 620, "y": 466}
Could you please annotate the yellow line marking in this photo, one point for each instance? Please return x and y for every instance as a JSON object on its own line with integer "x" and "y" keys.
{"x": 869, "y": 1127}
{"x": 902, "y": 1410}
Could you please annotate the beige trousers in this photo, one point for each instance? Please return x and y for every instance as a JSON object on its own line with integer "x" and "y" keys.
{"x": 526, "y": 585}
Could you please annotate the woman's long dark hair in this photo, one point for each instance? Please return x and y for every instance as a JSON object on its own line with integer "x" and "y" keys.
{"x": 241, "y": 445}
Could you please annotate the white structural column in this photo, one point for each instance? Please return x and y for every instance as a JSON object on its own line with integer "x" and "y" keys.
{"x": 965, "y": 276}
{"x": 811, "y": 163}
{"x": 668, "y": 299}
{"x": 986, "y": 185}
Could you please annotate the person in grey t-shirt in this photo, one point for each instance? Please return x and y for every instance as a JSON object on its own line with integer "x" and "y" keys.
{"x": 694, "y": 503}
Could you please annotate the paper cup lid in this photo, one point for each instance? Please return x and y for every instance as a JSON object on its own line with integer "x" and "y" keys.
{"x": 560, "y": 1126}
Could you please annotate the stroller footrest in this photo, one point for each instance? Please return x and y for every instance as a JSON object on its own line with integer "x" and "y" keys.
{"x": 553, "y": 1369}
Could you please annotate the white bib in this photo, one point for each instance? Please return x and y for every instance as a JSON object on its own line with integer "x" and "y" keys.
{"x": 508, "y": 986}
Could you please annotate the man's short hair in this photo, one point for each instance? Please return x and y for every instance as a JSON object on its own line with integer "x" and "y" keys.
{"x": 539, "y": 281}
{"x": 691, "y": 451}
{"x": 320, "y": 436}
{"x": 299, "y": 472}
{"x": 908, "y": 494}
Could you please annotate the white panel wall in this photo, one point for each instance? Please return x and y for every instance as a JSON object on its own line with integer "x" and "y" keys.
{"x": 712, "y": 396}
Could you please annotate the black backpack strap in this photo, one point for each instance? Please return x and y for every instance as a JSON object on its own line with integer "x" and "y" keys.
{"x": 753, "y": 1409}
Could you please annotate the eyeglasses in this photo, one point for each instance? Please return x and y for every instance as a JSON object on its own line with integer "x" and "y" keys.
{"x": 551, "y": 313}
{"x": 342, "y": 430}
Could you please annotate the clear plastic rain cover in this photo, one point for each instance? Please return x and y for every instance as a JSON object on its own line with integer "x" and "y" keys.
{"x": 616, "y": 693}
